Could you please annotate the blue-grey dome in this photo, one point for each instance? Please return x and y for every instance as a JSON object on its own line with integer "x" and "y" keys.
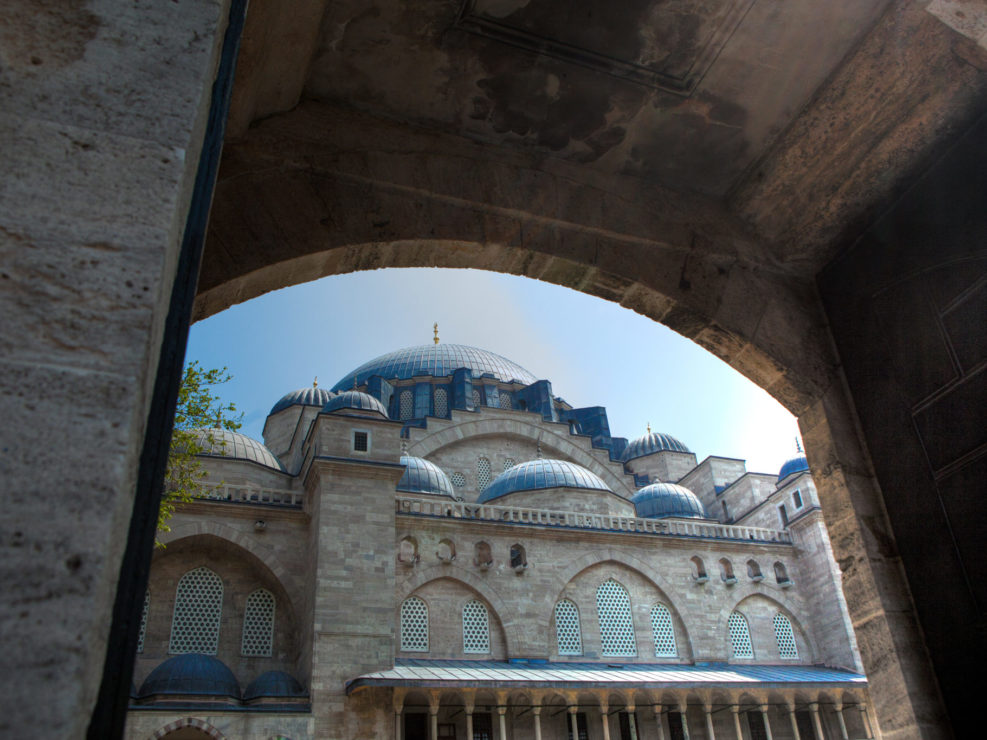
{"x": 236, "y": 446}
{"x": 355, "y": 400}
{"x": 192, "y": 673}
{"x": 421, "y": 476}
{"x": 650, "y": 443}
{"x": 661, "y": 500}
{"x": 537, "y": 474}
{"x": 303, "y": 397}
{"x": 274, "y": 684}
{"x": 797, "y": 464}
{"x": 437, "y": 360}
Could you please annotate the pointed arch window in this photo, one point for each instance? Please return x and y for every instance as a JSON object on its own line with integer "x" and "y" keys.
{"x": 414, "y": 625}
{"x": 613, "y": 607}
{"x": 740, "y": 636}
{"x": 663, "y": 631}
{"x": 785, "y": 637}
{"x": 257, "y": 640}
{"x": 441, "y": 402}
{"x": 567, "y": 630}
{"x": 476, "y": 628}
{"x": 483, "y": 474}
{"x": 198, "y": 612}
{"x": 407, "y": 405}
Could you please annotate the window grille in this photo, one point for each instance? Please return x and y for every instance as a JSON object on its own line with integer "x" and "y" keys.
{"x": 476, "y": 397}
{"x": 258, "y": 625}
{"x": 414, "y": 625}
{"x": 476, "y": 628}
{"x": 664, "y": 633}
{"x": 785, "y": 637}
{"x": 361, "y": 441}
{"x": 483, "y": 475}
{"x": 441, "y": 402}
{"x": 505, "y": 400}
{"x": 567, "y": 630}
{"x": 143, "y": 628}
{"x": 613, "y": 606}
{"x": 198, "y": 611}
{"x": 407, "y": 407}
{"x": 458, "y": 480}
{"x": 797, "y": 498}
{"x": 509, "y": 463}
{"x": 740, "y": 636}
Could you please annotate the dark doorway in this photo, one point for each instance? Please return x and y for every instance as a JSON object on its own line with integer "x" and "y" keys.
{"x": 580, "y": 726}
{"x": 416, "y": 727}
{"x": 675, "y": 731}
{"x": 806, "y": 729}
{"x": 625, "y": 726}
{"x": 482, "y": 726}
{"x": 755, "y": 722}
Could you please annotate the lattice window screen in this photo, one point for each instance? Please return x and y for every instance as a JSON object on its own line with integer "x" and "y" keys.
{"x": 198, "y": 611}
{"x": 143, "y": 628}
{"x": 740, "y": 636}
{"x": 785, "y": 637}
{"x": 509, "y": 463}
{"x": 441, "y": 402}
{"x": 567, "y": 628}
{"x": 476, "y": 396}
{"x": 407, "y": 405}
{"x": 258, "y": 625}
{"x": 458, "y": 480}
{"x": 476, "y": 628}
{"x": 483, "y": 475}
{"x": 505, "y": 400}
{"x": 664, "y": 633}
{"x": 613, "y": 606}
{"x": 414, "y": 625}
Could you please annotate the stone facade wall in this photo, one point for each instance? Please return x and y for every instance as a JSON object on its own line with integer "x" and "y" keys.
{"x": 568, "y": 499}
{"x": 667, "y": 466}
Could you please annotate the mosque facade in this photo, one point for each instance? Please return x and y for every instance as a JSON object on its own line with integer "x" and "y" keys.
{"x": 438, "y": 547}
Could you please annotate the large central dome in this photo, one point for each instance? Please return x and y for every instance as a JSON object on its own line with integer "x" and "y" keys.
{"x": 437, "y": 360}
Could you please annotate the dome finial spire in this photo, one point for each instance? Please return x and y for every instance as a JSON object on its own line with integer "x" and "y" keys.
{"x": 798, "y": 445}
{"x": 315, "y": 382}
{"x": 435, "y": 332}
{"x": 649, "y": 427}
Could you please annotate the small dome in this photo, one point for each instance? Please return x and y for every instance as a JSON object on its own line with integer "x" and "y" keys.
{"x": 421, "y": 476}
{"x": 662, "y": 500}
{"x": 192, "y": 673}
{"x": 537, "y": 474}
{"x": 650, "y": 443}
{"x": 303, "y": 397}
{"x": 356, "y": 400}
{"x": 274, "y": 684}
{"x": 236, "y": 446}
{"x": 797, "y": 464}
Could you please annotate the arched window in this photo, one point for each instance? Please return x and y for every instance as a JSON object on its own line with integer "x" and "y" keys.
{"x": 441, "y": 402}
{"x": 476, "y": 628}
{"x": 505, "y": 400}
{"x": 519, "y": 559}
{"x": 477, "y": 401}
{"x": 567, "y": 630}
{"x": 785, "y": 636}
{"x": 458, "y": 480}
{"x": 754, "y": 570}
{"x": 781, "y": 574}
{"x": 726, "y": 571}
{"x": 408, "y": 551}
{"x": 447, "y": 550}
{"x": 698, "y": 569}
{"x": 143, "y": 627}
{"x": 482, "y": 473}
{"x": 414, "y": 625}
{"x": 482, "y": 555}
{"x": 509, "y": 463}
{"x": 664, "y": 633}
{"x": 407, "y": 405}
{"x": 613, "y": 607}
{"x": 740, "y": 636}
{"x": 258, "y": 625}
{"x": 198, "y": 611}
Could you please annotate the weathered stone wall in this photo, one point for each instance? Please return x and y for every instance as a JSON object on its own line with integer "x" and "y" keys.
{"x": 144, "y": 724}
{"x": 669, "y": 467}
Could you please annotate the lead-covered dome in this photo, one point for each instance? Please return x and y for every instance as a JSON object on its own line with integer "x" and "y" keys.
{"x": 356, "y": 401}
{"x": 663, "y": 500}
{"x": 274, "y": 684}
{"x": 311, "y": 396}
{"x": 224, "y": 443}
{"x": 437, "y": 360}
{"x": 191, "y": 674}
{"x": 422, "y": 476}
{"x": 651, "y": 443}
{"x": 797, "y": 464}
{"x": 540, "y": 474}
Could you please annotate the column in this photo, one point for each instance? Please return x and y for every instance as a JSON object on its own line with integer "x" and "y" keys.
{"x": 536, "y": 712}
{"x": 708, "y": 711}
{"x": 572, "y": 721}
{"x": 469, "y": 703}
{"x": 794, "y": 721}
{"x": 838, "y": 708}
{"x": 658, "y": 722}
{"x": 685, "y": 721}
{"x": 816, "y": 722}
{"x": 865, "y": 718}
{"x": 767, "y": 724}
{"x": 397, "y": 699}
{"x": 501, "y": 711}
{"x": 605, "y": 719}
{"x": 433, "y": 716}
{"x": 632, "y": 720}
{"x": 735, "y": 711}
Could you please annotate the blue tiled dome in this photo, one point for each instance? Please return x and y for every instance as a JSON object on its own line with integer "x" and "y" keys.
{"x": 303, "y": 397}
{"x": 661, "y": 500}
{"x": 437, "y": 360}
{"x": 421, "y": 476}
{"x": 236, "y": 446}
{"x": 537, "y": 474}
{"x": 355, "y": 400}
{"x": 797, "y": 464}
{"x": 274, "y": 684}
{"x": 202, "y": 675}
{"x": 650, "y": 443}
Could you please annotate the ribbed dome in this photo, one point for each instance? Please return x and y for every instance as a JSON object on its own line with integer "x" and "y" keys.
{"x": 661, "y": 500}
{"x": 650, "y": 443}
{"x": 192, "y": 673}
{"x": 303, "y": 397}
{"x": 437, "y": 360}
{"x": 356, "y": 400}
{"x": 537, "y": 474}
{"x": 274, "y": 684}
{"x": 236, "y": 446}
{"x": 421, "y": 476}
{"x": 797, "y": 464}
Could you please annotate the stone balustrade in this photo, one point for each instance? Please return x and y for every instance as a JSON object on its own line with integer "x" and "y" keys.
{"x": 239, "y": 494}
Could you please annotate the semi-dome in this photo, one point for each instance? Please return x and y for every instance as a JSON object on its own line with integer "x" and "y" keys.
{"x": 355, "y": 400}
{"x": 542, "y": 473}
{"x": 225, "y": 443}
{"x": 437, "y": 360}
{"x": 274, "y": 684}
{"x": 650, "y": 443}
{"x": 422, "y": 476}
{"x": 797, "y": 464}
{"x": 662, "y": 500}
{"x": 311, "y": 396}
{"x": 192, "y": 673}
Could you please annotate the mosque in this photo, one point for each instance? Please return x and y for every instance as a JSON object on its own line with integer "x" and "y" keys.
{"x": 440, "y": 547}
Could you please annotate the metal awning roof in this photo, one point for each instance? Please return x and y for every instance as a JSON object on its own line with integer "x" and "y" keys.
{"x": 496, "y": 674}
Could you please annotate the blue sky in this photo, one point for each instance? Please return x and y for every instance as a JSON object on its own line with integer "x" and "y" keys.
{"x": 594, "y": 352}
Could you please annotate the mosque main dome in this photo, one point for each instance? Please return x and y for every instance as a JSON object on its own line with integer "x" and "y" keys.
{"x": 650, "y": 443}
{"x": 437, "y": 360}
{"x": 540, "y": 474}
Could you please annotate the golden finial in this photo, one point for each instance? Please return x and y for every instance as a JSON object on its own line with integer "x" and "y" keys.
{"x": 649, "y": 427}
{"x": 798, "y": 445}
{"x": 435, "y": 331}
{"x": 315, "y": 383}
